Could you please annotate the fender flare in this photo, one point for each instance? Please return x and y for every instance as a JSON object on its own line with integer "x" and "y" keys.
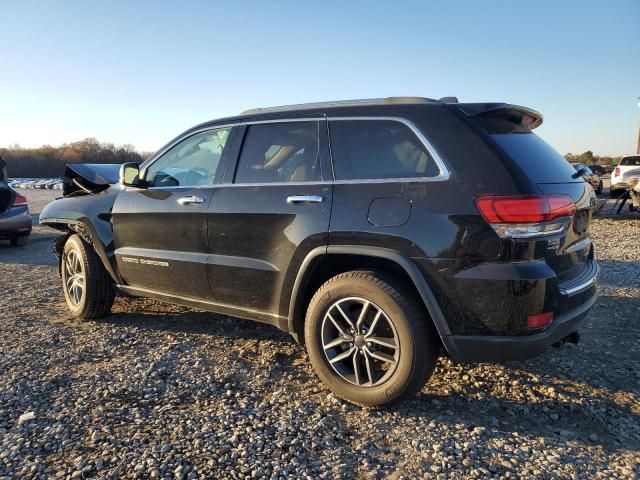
{"x": 86, "y": 231}
{"x": 408, "y": 265}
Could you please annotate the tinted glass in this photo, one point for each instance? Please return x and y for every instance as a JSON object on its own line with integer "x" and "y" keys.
{"x": 279, "y": 152}
{"x": 537, "y": 158}
{"x": 192, "y": 162}
{"x": 630, "y": 161}
{"x": 371, "y": 149}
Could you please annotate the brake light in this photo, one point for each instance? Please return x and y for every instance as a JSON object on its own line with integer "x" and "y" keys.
{"x": 539, "y": 321}
{"x": 616, "y": 172}
{"x": 524, "y": 216}
{"x": 20, "y": 200}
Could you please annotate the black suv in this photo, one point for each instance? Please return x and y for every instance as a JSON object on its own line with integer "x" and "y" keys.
{"x": 378, "y": 232}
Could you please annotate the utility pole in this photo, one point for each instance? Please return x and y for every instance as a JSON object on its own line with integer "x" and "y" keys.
{"x": 638, "y": 141}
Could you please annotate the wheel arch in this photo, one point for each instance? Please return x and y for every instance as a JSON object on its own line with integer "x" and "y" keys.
{"x": 323, "y": 263}
{"x": 89, "y": 235}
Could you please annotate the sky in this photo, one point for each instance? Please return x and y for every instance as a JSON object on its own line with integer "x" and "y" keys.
{"x": 142, "y": 72}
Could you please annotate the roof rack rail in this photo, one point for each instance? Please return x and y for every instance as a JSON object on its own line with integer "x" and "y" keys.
{"x": 341, "y": 103}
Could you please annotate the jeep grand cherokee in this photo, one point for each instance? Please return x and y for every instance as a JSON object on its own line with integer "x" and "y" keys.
{"x": 379, "y": 233}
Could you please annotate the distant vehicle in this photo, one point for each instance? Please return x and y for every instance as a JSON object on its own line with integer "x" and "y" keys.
{"x": 599, "y": 169}
{"x": 627, "y": 169}
{"x": 589, "y": 177}
{"x": 15, "y": 221}
{"x": 344, "y": 225}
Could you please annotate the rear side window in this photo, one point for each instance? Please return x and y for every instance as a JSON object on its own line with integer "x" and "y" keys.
{"x": 279, "y": 152}
{"x": 537, "y": 158}
{"x": 374, "y": 149}
{"x": 630, "y": 162}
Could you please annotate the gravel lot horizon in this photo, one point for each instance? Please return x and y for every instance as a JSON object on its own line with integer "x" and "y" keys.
{"x": 159, "y": 391}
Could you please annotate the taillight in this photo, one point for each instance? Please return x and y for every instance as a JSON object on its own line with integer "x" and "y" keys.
{"x": 539, "y": 321}
{"x": 20, "y": 200}
{"x": 616, "y": 172}
{"x": 524, "y": 216}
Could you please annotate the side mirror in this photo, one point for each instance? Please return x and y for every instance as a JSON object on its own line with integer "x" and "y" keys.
{"x": 130, "y": 174}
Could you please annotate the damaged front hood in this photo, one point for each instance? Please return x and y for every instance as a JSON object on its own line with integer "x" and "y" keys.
{"x": 89, "y": 178}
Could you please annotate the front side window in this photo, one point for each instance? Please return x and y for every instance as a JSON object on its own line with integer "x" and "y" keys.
{"x": 279, "y": 152}
{"x": 192, "y": 162}
{"x": 374, "y": 149}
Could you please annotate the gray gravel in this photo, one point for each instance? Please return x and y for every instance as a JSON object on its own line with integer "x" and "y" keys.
{"x": 157, "y": 391}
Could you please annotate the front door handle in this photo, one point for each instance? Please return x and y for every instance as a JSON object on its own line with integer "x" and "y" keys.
{"x": 296, "y": 199}
{"x": 190, "y": 199}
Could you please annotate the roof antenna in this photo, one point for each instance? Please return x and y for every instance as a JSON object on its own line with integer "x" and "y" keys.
{"x": 449, "y": 100}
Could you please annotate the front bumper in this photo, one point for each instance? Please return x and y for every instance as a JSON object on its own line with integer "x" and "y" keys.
{"x": 486, "y": 348}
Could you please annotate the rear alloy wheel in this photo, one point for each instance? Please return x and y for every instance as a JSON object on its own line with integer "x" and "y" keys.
{"x": 360, "y": 341}
{"x": 85, "y": 282}
{"x": 369, "y": 338}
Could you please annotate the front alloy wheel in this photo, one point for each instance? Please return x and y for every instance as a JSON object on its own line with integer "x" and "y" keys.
{"x": 74, "y": 276}
{"x": 87, "y": 286}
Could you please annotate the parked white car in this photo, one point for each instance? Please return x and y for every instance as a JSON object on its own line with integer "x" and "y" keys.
{"x": 627, "y": 169}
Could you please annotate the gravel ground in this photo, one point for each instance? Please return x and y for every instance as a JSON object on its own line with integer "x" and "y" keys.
{"x": 157, "y": 391}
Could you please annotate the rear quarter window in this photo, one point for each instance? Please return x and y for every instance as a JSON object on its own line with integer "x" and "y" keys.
{"x": 541, "y": 162}
{"x": 378, "y": 149}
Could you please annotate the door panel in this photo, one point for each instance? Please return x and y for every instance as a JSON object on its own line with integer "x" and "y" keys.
{"x": 160, "y": 242}
{"x": 261, "y": 230}
{"x": 257, "y": 239}
{"x": 160, "y": 232}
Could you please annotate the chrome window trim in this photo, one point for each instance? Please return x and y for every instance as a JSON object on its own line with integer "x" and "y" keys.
{"x": 444, "y": 174}
{"x": 263, "y": 184}
{"x": 284, "y": 120}
{"x": 442, "y": 167}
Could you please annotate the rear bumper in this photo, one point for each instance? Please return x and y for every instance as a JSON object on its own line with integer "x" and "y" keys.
{"x": 484, "y": 348}
{"x": 15, "y": 223}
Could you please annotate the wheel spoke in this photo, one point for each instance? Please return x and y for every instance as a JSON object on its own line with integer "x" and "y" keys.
{"x": 338, "y": 341}
{"x": 363, "y": 314}
{"x": 356, "y": 367}
{"x": 388, "y": 342}
{"x": 344, "y": 355}
{"x": 344, "y": 315}
{"x": 367, "y": 363}
{"x": 373, "y": 324}
{"x": 335, "y": 324}
{"x": 385, "y": 357}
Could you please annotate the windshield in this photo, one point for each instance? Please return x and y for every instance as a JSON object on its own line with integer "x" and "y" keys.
{"x": 630, "y": 161}
{"x": 537, "y": 158}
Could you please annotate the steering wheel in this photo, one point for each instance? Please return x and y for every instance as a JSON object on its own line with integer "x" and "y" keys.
{"x": 199, "y": 174}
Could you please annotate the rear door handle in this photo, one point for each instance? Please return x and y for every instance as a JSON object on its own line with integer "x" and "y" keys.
{"x": 296, "y": 199}
{"x": 190, "y": 199}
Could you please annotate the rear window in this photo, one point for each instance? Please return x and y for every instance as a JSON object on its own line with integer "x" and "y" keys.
{"x": 630, "y": 162}
{"x": 537, "y": 158}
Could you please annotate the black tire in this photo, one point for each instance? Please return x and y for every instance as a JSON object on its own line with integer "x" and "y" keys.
{"x": 416, "y": 338}
{"x": 98, "y": 294}
{"x": 19, "y": 241}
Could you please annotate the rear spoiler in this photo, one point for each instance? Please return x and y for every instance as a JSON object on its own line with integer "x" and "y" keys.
{"x": 89, "y": 177}
{"x": 522, "y": 117}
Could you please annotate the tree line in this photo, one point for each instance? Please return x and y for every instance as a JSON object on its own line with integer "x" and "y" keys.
{"x": 588, "y": 158}
{"x": 48, "y": 161}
